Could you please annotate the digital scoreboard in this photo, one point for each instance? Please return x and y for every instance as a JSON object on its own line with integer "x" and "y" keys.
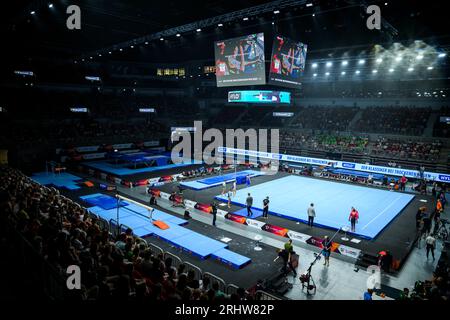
{"x": 260, "y": 96}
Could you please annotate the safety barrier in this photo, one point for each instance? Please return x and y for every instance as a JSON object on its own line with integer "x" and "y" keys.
{"x": 262, "y": 295}
{"x": 213, "y": 278}
{"x": 158, "y": 250}
{"x": 176, "y": 261}
{"x": 231, "y": 288}
{"x": 198, "y": 272}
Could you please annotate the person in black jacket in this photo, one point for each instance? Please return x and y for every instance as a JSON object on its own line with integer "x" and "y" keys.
{"x": 214, "y": 213}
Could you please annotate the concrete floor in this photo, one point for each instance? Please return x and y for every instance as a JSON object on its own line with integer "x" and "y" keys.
{"x": 339, "y": 281}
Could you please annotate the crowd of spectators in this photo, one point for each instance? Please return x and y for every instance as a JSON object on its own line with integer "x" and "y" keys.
{"x": 324, "y": 118}
{"x": 407, "y": 149}
{"x": 117, "y": 269}
{"x": 395, "y": 149}
{"x": 393, "y": 120}
{"x": 79, "y": 132}
{"x": 328, "y": 143}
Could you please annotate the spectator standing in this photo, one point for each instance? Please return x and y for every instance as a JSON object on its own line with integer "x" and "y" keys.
{"x": 249, "y": 202}
{"x": 403, "y": 181}
{"x": 431, "y": 244}
{"x": 326, "y": 250}
{"x": 214, "y": 213}
{"x": 266, "y": 207}
{"x": 311, "y": 215}
{"x": 353, "y": 218}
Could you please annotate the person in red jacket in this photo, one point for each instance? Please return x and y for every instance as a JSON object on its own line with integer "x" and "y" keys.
{"x": 353, "y": 218}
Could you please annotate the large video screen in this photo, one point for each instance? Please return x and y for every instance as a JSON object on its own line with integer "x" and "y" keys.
{"x": 240, "y": 61}
{"x": 288, "y": 62}
{"x": 259, "y": 96}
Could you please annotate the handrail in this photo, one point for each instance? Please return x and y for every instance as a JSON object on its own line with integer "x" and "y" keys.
{"x": 262, "y": 295}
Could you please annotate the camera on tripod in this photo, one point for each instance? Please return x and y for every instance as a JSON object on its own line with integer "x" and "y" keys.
{"x": 305, "y": 280}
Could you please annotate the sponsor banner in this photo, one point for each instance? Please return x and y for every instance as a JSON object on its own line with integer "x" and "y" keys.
{"x": 117, "y": 180}
{"x": 255, "y": 224}
{"x": 189, "y": 203}
{"x": 90, "y": 156}
{"x": 303, "y": 238}
{"x": 317, "y": 242}
{"x": 221, "y": 213}
{"x": 279, "y": 231}
{"x": 122, "y": 146}
{"x": 350, "y": 252}
{"x": 236, "y": 218}
{"x": 203, "y": 207}
{"x": 143, "y": 182}
{"x": 87, "y": 149}
{"x": 151, "y": 143}
{"x": 339, "y": 164}
{"x": 165, "y": 179}
{"x": 153, "y": 180}
{"x": 164, "y": 195}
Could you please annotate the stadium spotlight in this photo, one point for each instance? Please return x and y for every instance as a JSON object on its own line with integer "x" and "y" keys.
{"x": 120, "y": 49}
{"x": 375, "y": 71}
{"x": 314, "y": 65}
{"x": 398, "y": 58}
{"x": 313, "y": 14}
{"x": 442, "y": 55}
{"x": 329, "y": 64}
{"x": 198, "y": 30}
{"x": 276, "y": 12}
{"x": 410, "y": 69}
{"x": 178, "y": 35}
{"x": 109, "y": 52}
{"x": 32, "y": 12}
{"x": 357, "y": 72}
{"x": 90, "y": 57}
{"x": 309, "y": 5}
{"x": 99, "y": 54}
{"x": 379, "y": 60}
{"x": 362, "y": 61}
{"x": 162, "y": 39}
{"x": 327, "y": 73}
{"x": 132, "y": 47}
{"x": 419, "y": 57}
{"x": 345, "y": 62}
{"x": 391, "y": 70}
{"x": 146, "y": 42}
{"x": 343, "y": 73}
{"x": 220, "y": 25}
{"x": 315, "y": 75}
{"x": 50, "y": 5}
{"x": 245, "y": 19}
{"x": 430, "y": 68}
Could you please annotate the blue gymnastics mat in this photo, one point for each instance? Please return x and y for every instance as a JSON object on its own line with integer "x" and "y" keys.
{"x": 120, "y": 170}
{"x": 291, "y": 196}
{"x": 198, "y": 244}
{"x": 62, "y": 180}
{"x": 137, "y": 218}
{"x": 217, "y": 180}
{"x": 243, "y": 213}
{"x": 103, "y": 201}
{"x": 231, "y": 258}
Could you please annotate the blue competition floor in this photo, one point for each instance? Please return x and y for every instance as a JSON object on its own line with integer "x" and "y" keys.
{"x": 122, "y": 170}
{"x": 63, "y": 180}
{"x": 243, "y": 212}
{"x": 291, "y": 196}
{"x": 137, "y": 218}
{"x": 217, "y": 180}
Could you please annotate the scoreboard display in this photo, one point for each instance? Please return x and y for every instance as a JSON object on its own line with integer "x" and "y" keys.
{"x": 260, "y": 96}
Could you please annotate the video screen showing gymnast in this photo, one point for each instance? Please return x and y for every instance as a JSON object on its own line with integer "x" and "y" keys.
{"x": 240, "y": 61}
